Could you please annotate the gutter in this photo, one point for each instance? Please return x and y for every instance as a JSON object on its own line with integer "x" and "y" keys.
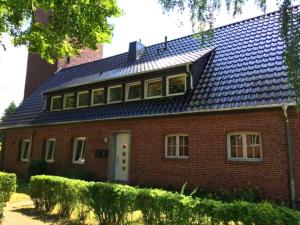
{"x": 290, "y": 157}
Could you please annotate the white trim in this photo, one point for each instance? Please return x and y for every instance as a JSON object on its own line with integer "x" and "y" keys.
{"x": 174, "y": 76}
{"x": 28, "y": 150}
{"x": 177, "y": 135}
{"x": 47, "y": 150}
{"x": 127, "y": 90}
{"x": 55, "y": 97}
{"x": 108, "y": 93}
{"x": 81, "y": 159}
{"x": 146, "y": 88}
{"x": 77, "y": 103}
{"x": 65, "y": 99}
{"x": 244, "y": 134}
{"x": 92, "y": 99}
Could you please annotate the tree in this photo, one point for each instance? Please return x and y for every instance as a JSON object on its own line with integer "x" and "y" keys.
{"x": 8, "y": 111}
{"x": 203, "y": 13}
{"x": 72, "y": 25}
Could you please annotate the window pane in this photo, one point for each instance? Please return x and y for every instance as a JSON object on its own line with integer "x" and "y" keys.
{"x": 79, "y": 148}
{"x": 154, "y": 88}
{"x": 50, "y": 150}
{"x": 56, "y": 103}
{"x": 115, "y": 94}
{"x": 83, "y": 99}
{"x": 250, "y": 153}
{"x": 257, "y": 153}
{"x": 177, "y": 84}
{"x": 183, "y": 151}
{"x": 98, "y": 97}
{"x": 25, "y": 149}
{"x": 134, "y": 91}
{"x": 233, "y": 151}
{"x": 69, "y": 101}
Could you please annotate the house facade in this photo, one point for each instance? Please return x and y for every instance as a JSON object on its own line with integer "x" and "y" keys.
{"x": 215, "y": 116}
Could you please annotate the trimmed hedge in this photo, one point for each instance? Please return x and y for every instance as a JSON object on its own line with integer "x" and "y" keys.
{"x": 114, "y": 204}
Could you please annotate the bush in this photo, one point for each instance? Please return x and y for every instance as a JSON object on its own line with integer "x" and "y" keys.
{"x": 8, "y": 184}
{"x": 39, "y": 167}
{"x": 79, "y": 173}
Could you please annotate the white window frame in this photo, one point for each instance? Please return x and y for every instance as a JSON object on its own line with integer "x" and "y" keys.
{"x": 28, "y": 151}
{"x": 174, "y": 76}
{"x": 77, "y": 103}
{"x": 81, "y": 159}
{"x": 47, "y": 150}
{"x": 92, "y": 99}
{"x": 177, "y": 135}
{"x": 244, "y": 142}
{"x": 127, "y": 90}
{"x": 65, "y": 100}
{"x": 146, "y": 88}
{"x": 55, "y": 97}
{"x": 108, "y": 93}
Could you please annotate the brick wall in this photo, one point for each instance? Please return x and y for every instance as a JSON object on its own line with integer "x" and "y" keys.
{"x": 207, "y": 165}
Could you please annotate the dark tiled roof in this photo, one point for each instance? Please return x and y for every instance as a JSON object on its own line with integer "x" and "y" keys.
{"x": 246, "y": 69}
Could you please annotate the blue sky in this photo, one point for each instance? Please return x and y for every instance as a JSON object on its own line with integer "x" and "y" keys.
{"x": 143, "y": 20}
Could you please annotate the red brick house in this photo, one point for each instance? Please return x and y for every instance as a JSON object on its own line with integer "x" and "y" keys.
{"x": 220, "y": 116}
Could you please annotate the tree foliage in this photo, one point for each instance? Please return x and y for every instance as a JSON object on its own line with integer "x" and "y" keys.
{"x": 9, "y": 110}
{"x": 203, "y": 13}
{"x": 72, "y": 25}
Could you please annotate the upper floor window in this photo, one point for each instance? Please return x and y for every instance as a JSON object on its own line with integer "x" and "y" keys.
{"x": 176, "y": 146}
{"x": 25, "y": 150}
{"x": 49, "y": 151}
{"x": 83, "y": 99}
{"x": 153, "y": 88}
{"x": 98, "y": 96}
{"x": 176, "y": 84}
{"x": 69, "y": 101}
{"x": 244, "y": 146}
{"x": 56, "y": 103}
{"x": 78, "y": 150}
{"x": 133, "y": 91}
{"x": 115, "y": 94}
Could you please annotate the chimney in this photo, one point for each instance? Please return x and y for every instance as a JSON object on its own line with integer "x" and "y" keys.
{"x": 135, "y": 51}
{"x": 38, "y": 70}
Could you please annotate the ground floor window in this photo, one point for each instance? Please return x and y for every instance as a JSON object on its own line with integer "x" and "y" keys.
{"x": 25, "y": 150}
{"x": 176, "y": 146}
{"x": 244, "y": 146}
{"x": 49, "y": 151}
{"x": 78, "y": 150}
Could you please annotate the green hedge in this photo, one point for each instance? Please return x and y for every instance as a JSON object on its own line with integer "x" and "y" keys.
{"x": 114, "y": 204}
{"x": 8, "y": 184}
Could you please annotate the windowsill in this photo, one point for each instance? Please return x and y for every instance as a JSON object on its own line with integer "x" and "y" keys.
{"x": 84, "y": 106}
{"x": 177, "y": 157}
{"x": 97, "y": 104}
{"x": 24, "y": 160}
{"x": 135, "y": 99}
{"x": 153, "y": 97}
{"x": 49, "y": 161}
{"x": 114, "y": 102}
{"x": 176, "y": 94}
{"x": 245, "y": 160}
{"x": 78, "y": 162}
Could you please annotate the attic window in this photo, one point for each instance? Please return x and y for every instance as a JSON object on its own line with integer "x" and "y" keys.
{"x": 56, "y": 103}
{"x": 115, "y": 94}
{"x": 133, "y": 91}
{"x": 153, "y": 88}
{"x": 176, "y": 85}
{"x": 98, "y": 96}
{"x": 83, "y": 99}
{"x": 69, "y": 101}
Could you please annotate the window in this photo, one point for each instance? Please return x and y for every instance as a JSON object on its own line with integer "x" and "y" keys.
{"x": 244, "y": 146}
{"x": 115, "y": 94}
{"x": 83, "y": 99}
{"x": 153, "y": 88}
{"x": 69, "y": 101}
{"x": 176, "y": 84}
{"x": 25, "y": 150}
{"x": 98, "y": 96}
{"x": 56, "y": 103}
{"x": 133, "y": 91}
{"x": 176, "y": 146}
{"x": 49, "y": 151}
{"x": 79, "y": 146}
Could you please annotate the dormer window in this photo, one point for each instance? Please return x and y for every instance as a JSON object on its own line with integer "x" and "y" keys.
{"x": 115, "y": 94}
{"x": 153, "y": 88}
{"x": 133, "y": 91}
{"x": 69, "y": 101}
{"x": 98, "y": 96}
{"x": 83, "y": 99}
{"x": 56, "y": 103}
{"x": 176, "y": 85}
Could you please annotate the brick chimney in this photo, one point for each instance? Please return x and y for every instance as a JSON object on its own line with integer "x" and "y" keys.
{"x": 38, "y": 70}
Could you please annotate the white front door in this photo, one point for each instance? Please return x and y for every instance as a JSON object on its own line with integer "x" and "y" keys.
{"x": 122, "y": 157}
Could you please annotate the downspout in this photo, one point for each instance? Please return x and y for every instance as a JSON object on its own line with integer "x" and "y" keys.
{"x": 290, "y": 157}
{"x": 188, "y": 71}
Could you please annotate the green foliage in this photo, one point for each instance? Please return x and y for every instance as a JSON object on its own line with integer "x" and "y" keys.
{"x": 114, "y": 204}
{"x": 39, "y": 167}
{"x": 2, "y": 205}
{"x": 71, "y": 26}
{"x": 12, "y": 106}
{"x": 78, "y": 172}
{"x": 8, "y": 184}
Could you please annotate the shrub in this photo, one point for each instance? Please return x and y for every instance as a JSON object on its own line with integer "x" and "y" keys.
{"x": 79, "y": 173}
{"x": 112, "y": 203}
{"x": 8, "y": 184}
{"x": 39, "y": 167}
{"x": 2, "y": 204}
